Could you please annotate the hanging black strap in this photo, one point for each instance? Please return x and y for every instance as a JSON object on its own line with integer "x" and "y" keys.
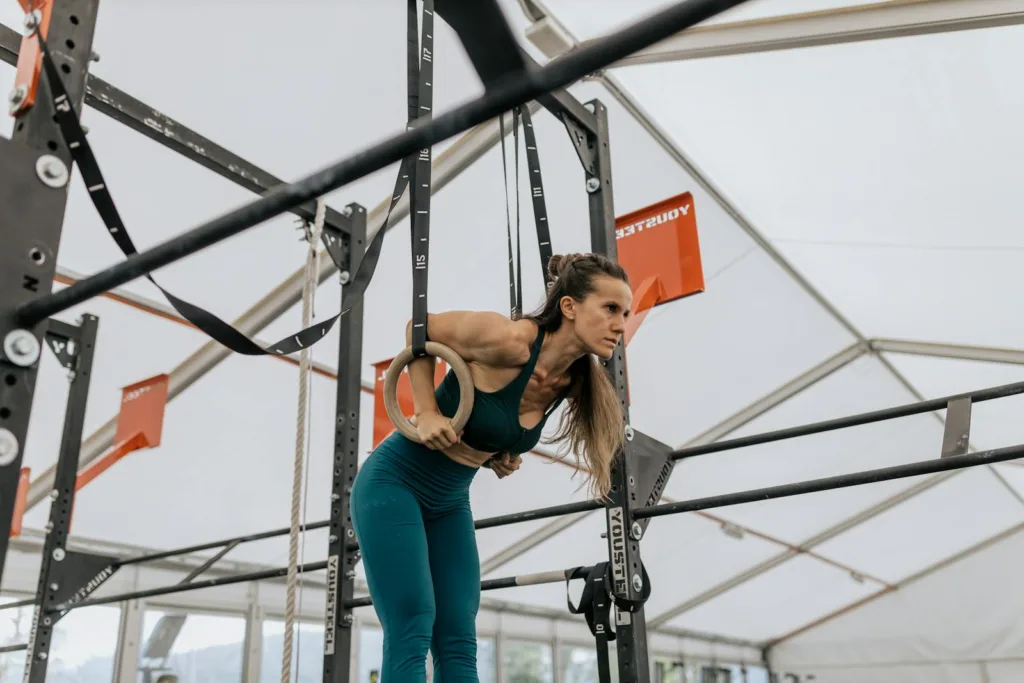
{"x": 625, "y": 605}
{"x": 595, "y": 606}
{"x": 540, "y": 211}
{"x": 515, "y": 264}
{"x": 540, "y": 214}
{"x": 208, "y": 323}
{"x": 421, "y": 102}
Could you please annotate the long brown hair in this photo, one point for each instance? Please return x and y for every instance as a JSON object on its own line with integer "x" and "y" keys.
{"x": 592, "y": 424}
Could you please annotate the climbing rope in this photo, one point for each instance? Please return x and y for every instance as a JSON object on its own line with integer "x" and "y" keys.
{"x": 301, "y": 444}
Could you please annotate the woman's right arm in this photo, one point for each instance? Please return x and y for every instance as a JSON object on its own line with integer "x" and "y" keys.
{"x": 476, "y": 336}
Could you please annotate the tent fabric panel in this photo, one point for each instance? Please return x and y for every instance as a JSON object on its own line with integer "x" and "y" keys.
{"x": 785, "y": 598}
{"x": 966, "y": 610}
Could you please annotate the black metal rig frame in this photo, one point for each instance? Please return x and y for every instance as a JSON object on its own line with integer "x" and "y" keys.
{"x": 34, "y": 174}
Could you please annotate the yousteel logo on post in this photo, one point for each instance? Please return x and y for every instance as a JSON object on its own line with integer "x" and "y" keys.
{"x": 332, "y": 592}
{"x": 617, "y": 541}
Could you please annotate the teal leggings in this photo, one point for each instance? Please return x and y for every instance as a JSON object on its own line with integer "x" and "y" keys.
{"x": 410, "y": 510}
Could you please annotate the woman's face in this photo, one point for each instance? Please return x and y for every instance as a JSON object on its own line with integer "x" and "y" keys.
{"x": 599, "y": 321}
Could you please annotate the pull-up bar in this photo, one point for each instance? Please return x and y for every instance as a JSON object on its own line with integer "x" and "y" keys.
{"x": 906, "y": 410}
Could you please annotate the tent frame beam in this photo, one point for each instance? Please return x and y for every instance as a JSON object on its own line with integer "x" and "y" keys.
{"x": 876, "y": 21}
{"x": 981, "y": 354}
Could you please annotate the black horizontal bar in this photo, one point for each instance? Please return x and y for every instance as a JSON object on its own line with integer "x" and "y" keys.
{"x": 539, "y": 513}
{"x": 13, "y": 648}
{"x": 849, "y": 421}
{"x": 196, "y": 585}
{"x": 841, "y": 481}
{"x": 528, "y": 516}
{"x": 162, "y": 129}
{"x": 495, "y": 584}
{"x": 561, "y": 102}
{"x": 218, "y": 544}
{"x": 493, "y": 103}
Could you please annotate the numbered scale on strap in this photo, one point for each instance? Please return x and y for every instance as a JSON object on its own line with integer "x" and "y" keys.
{"x": 421, "y": 78}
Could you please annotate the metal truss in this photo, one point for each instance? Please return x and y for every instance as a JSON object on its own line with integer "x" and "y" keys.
{"x": 141, "y": 117}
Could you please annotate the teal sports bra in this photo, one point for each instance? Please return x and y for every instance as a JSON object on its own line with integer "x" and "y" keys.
{"x": 494, "y": 425}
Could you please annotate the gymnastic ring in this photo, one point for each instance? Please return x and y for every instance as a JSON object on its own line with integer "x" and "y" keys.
{"x": 462, "y": 373}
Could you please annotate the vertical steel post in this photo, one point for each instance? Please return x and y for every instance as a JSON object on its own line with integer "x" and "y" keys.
{"x": 623, "y": 533}
{"x": 341, "y": 562}
{"x": 61, "y": 576}
{"x": 34, "y": 175}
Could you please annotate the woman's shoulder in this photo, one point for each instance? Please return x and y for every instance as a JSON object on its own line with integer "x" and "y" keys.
{"x": 487, "y": 337}
{"x": 521, "y": 336}
{"x": 515, "y": 340}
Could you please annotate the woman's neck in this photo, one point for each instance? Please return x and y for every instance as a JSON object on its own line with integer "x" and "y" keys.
{"x": 559, "y": 350}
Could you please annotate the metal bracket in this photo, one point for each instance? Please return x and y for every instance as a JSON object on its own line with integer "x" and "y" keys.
{"x": 61, "y": 338}
{"x": 956, "y": 438}
{"x": 652, "y": 468}
{"x": 78, "y": 577}
{"x": 578, "y": 136}
{"x": 335, "y": 240}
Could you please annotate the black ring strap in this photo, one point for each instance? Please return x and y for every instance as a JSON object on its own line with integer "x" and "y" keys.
{"x": 595, "y": 605}
{"x": 421, "y": 102}
{"x": 515, "y": 264}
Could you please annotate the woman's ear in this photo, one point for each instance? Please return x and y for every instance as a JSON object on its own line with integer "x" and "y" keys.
{"x": 568, "y": 307}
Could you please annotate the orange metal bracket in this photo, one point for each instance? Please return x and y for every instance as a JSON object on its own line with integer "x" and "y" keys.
{"x": 20, "y": 499}
{"x": 139, "y": 425}
{"x": 662, "y": 239}
{"x": 101, "y": 465}
{"x": 648, "y": 295}
{"x": 30, "y": 59}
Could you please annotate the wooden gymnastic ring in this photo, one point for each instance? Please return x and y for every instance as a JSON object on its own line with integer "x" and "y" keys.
{"x": 462, "y": 372}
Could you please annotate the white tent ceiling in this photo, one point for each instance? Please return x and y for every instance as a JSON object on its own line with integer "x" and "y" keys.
{"x": 844, "y": 193}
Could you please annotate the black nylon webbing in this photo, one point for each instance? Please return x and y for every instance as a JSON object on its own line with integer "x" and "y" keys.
{"x": 421, "y": 102}
{"x": 519, "y": 247}
{"x": 540, "y": 214}
{"x": 595, "y": 606}
{"x": 208, "y": 323}
{"x": 515, "y": 290}
{"x": 540, "y": 211}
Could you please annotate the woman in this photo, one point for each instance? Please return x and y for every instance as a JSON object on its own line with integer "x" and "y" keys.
{"x": 410, "y": 502}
